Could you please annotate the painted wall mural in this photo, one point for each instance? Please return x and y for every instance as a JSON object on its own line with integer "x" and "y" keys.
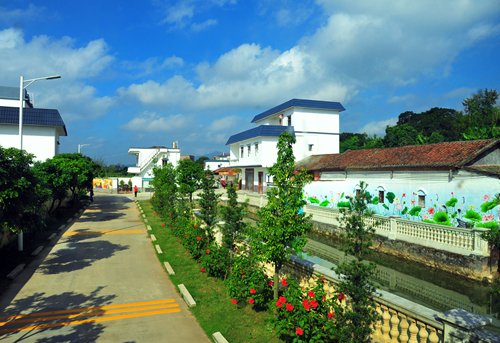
{"x": 103, "y": 183}
{"x": 465, "y": 208}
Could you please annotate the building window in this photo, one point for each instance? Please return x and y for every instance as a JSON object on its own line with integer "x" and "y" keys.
{"x": 380, "y": 197}
{"x": 289, "y": 120}
{"x": 256, "y": 149}
{"x": 164, "y": 161}
{"x": 421, "y": 201}
{"x": 242, "y": 149}
{"x": 249, "y": 150}
{"x": 310, "y": 147}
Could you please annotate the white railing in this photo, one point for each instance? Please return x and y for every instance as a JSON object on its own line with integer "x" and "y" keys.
{"x": 149, "y": 159}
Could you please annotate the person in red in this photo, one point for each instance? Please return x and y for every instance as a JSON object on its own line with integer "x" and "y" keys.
{"x": 136, "y": 190}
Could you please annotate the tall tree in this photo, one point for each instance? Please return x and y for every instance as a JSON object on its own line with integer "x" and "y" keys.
{"x": 209, "y": 201}
{"x": 283, "y": 227}
{"x": 189, "y": 174}
{"x": 234, "y": 230}
{"x": 165, "y": 186}
{"x": 480, "y": 108}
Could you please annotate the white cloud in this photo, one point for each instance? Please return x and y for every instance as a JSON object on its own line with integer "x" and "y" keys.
{"x": 461, "y": 93}
{"x": 401, "y": 98}
{"x": 378, "y": 127}
{"x": 197, "y": 27}
{"x": 153, "y": 122}
{"x": 152, "y": 65}
{"x": 11, "y": 16}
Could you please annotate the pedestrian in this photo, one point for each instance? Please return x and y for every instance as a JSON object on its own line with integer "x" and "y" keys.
{"x": 231, "y": 183}
{"x": 224, "y": 184}
{"x": 136, "y": 190}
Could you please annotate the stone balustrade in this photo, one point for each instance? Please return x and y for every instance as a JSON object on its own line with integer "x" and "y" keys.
{"x": 401, "y": 320}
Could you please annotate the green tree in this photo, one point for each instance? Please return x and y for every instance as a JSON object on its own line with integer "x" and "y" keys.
{"x": 49, "y": 175}
{"x": 209, "y": 201}
{"x": 283, "y": 225}
{"x": 21, "y": 193}
{"x": 400, "y": 135}
{"x": 189, "y": 174}
{"x": 234, "y": 230}
{"x": 164, "y": 184}
{"x": 355, "y": 323}
{"x": 111, "y": 170}
{"x": 201, "y": 160}
{"x": 480, "y": 108}
{"x": 76, "y": 171}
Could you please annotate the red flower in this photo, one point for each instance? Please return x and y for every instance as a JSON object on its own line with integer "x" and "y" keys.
{"x": 323, "y": 298}
{"x": 156, "y": 215}
{"x": 279, "y": 304}
{"x": 199, "y": 237}
{"x": 171, "y": 215}
{"x": 186, "y": 252}
{"x": 306, "y": 304}
{"x": 289, "y": 307}
{"x": 208, "y": 251}
{"x": 162, "y": 224}
{"x": 202, "y": 269}
{"x": 234, "y": 301}
{"x": 179, "y": 240}
{"x": 311, "y": 294}
{"x": 253, "y": 291}
{"x": 284, "y": 283}
{"x": 331, "y": 315}
{"x": 282, "y": 300}
{"x": 186, "y": 236}
{"x": 251, "y": 301}
{"x": 299, "y": 331}
{"x": 242, "y": 272}
{"x": 322, "y": 279}
{"x": 195, "y": 226}
{"x": 341, "y": 296}
{"x": 271, "y": 283}
{"x": 431, "y": 210}
{"x": 404, "y": 195}
{"x": 265, "y": 276}
{"x": 314, "y": 303}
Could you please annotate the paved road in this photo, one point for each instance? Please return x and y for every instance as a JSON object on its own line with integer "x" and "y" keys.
{"x": 101, "y": 282}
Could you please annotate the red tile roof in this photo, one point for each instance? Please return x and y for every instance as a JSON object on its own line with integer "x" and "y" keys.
{"x": 449, "y": 154}
{"x": 225, "y": 171}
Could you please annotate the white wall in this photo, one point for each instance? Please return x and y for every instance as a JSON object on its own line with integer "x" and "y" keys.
{"x": 311, "y": 120}
{"x": 37, "y": 140}
{"x": 213, "y": 165}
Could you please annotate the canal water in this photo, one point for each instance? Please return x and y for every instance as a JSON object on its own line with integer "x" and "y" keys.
{"x": 421, "y": 284}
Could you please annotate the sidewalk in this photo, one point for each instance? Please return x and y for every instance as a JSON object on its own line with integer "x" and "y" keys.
{"x": 101, "y": 282}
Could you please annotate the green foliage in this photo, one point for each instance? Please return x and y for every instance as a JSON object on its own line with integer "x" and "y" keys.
{"x": 307, "y": 315}
{"x": 405, "y": 210}
{"x": 208, "y": 201}
{"x": 494, "y": 292}
{"x": 472, "y": 215}
{"x": 21, "y": 193}
{"x": 248, "y": 275}
{"x": 48, "y": 175}
{"x": 415, "y": 211}
{"x": 215, "y": 261}
{"x": 129, "y": 184}
{"x": 282, "y": 229}
{"x": 386, "y": 207}
{"x": 442, "y": 218}
{"x": 400, "y": 135}
{"x": 324, "y": 203}
{"x": 189, "y": 174}
{"x": 489, "y": 225}
{"x": 375, "y": 200}
{"x": 313, "y": 200}
{"x": 429, "y": 221}
{"x": 343, "y": 204}
{"x": 165, "y": 187}
{"x": 488, "y": 205}
{"x": 390, "y": 197}
{"x": 452, "y": 202}
{"x": 357, "y": 285}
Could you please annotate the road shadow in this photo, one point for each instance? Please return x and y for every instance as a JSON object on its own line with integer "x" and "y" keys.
{"x": 89, "y": 216}
{"x": 78, "y": 252}
{"x": 40, "y": 302}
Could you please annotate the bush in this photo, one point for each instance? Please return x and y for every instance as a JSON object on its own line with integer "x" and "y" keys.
{"x": 215, "y": 261}
{"x": 442, "y": 218}
{"x": 472, "y": 215}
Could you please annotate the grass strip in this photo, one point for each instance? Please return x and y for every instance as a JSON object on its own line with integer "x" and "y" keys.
{"x": 214, "y": 310}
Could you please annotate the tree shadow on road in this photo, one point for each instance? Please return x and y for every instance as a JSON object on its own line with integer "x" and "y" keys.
{"x": 78, "y": 252}
{"x": 40, "y": 302}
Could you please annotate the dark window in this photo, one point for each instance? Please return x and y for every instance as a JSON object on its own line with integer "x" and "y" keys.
{"x": 164, "y": 162}
{"x": 421, "y": 201}
{"x": 311, "y": 147}
{"x": 289, "y": 120}
{"x": 242, "y": 150}
{"x": 380, "y": 197}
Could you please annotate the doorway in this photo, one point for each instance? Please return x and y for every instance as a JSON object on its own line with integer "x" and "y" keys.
{"x": 261, "y": 178}
{"x": 249, "y": 180}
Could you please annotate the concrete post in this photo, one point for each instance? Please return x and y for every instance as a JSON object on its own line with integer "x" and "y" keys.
{"x": 392, "y": 219}
{"x": 218, "y": 233}
{"x": 480, "y": 245}
{"x": 459, "y": 325}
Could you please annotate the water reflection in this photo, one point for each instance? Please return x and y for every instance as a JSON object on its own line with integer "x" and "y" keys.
{"x": 424, "y": 285}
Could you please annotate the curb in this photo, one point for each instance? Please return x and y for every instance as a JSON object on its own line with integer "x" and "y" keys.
{"x": 61, "y": 227}
{"x": 51, "y": 236}
{"x": 218, "y": 338}
{"x": 153, "y": 238}
{"x": 158, "y": 249}
{"x": 169, "y": 268}
{"x": 149, "y": 228}
{"x": 37, "y": 250}
{"x": 12, "y": 275}
{"x": 187, "y": 297}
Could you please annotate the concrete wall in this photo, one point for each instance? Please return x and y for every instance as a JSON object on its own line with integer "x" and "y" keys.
{"x": 470, "y": 190}
{"x": 40, "y": 141}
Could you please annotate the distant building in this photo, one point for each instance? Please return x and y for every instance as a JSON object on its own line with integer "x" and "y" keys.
{"x": 147, "y": 159}
{"x": 215, "y": 164}
{"x": 222, "y": 156}
{"x": 187, "y": 157}
{"x": 42, "y": 128}
{"x": 315, "y": 125}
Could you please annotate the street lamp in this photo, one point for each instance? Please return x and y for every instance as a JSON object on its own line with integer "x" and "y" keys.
{"x": 21, "y": 98}
{"x": 22, "y": 87}
{"x": 80, "y": 145}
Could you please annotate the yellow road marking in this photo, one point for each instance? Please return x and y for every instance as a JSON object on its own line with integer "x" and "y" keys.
{"x": 107, "y": 307}
{"x": 87, "y": 314}
{"x": 94, "y": 320}
{"x": 110, "y": 209}
{"x": 73, "y": 233}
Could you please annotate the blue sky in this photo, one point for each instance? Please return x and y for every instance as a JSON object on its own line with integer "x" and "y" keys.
{"x": 143, "y": 73}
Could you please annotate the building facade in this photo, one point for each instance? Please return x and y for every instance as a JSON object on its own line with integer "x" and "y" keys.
{"x": 315, "y": 125}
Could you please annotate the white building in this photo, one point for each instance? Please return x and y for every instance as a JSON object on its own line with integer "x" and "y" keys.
{"x": 148, "y": 158}
{"x": 315, "y": 125}
{"x": 42, "y": 128}
{"x": 216, "y": 164}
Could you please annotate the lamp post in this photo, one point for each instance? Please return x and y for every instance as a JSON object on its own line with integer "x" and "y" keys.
{"x": 80, "y": 145}
{"x": 22, "y": 87}
{"x": 21, "y": 104}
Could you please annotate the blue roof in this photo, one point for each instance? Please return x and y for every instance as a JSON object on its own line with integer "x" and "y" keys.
{"x": 263, "y": 130}
{"x": 32, "y": 116}
{"x": 322, "y": 105}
